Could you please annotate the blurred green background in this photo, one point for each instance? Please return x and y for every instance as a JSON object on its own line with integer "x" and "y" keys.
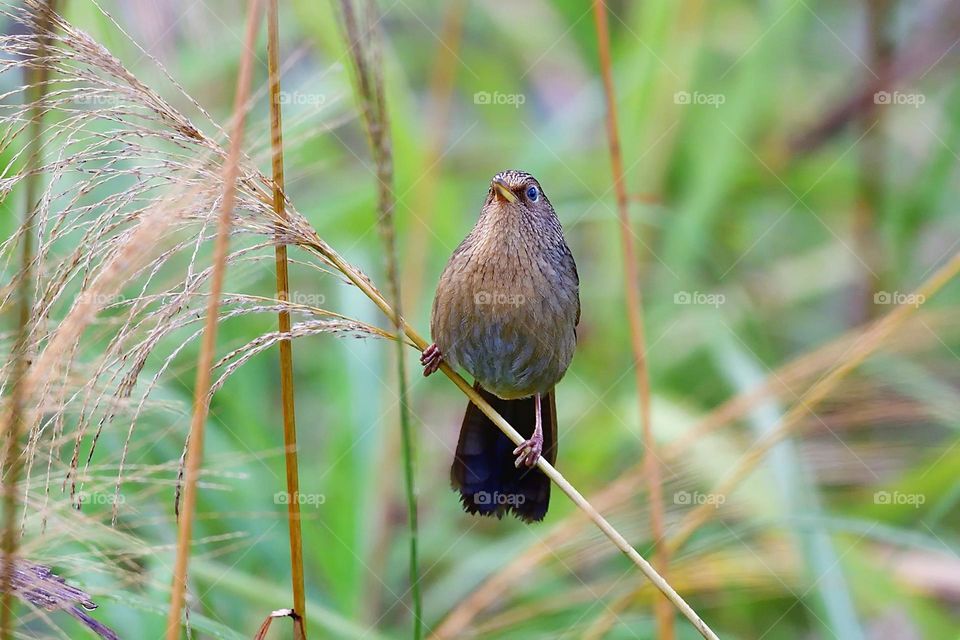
{"x": 793, "y": 173}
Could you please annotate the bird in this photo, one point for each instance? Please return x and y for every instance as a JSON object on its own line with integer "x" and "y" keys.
{"x": 506, "y": 311}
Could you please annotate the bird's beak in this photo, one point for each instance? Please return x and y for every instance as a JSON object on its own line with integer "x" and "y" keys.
{"x": 502, "y": 191}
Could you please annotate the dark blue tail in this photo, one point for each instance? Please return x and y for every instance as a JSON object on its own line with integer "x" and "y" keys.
{"x": 483, "y": 469}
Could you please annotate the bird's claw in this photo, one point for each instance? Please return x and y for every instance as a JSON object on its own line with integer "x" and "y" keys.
{"x": 431, "y": 359}
{"x": 528, "y": 452}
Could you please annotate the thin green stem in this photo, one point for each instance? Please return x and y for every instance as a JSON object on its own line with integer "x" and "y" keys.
{"x": 368, "y": 68}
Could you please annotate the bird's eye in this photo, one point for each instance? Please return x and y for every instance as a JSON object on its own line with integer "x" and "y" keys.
{"x": 532, "y": 194}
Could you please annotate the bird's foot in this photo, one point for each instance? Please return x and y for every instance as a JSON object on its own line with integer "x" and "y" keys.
{"x": 529, "y": 452}
{"x": 431, "y": 359}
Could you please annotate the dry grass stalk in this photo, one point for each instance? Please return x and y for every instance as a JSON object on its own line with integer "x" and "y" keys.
{"x": 205, "y": 359}
{"x": 634, "y": 301}
{"x": 865, "y": 222}
{"x": 286, "y": 346}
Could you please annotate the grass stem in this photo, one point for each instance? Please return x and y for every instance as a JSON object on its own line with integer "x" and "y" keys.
{"x": 286, "y": 346}
{"x": 205, "y": 359}
{"x": 634, "y": 301}
{"x": 368, "y": 66}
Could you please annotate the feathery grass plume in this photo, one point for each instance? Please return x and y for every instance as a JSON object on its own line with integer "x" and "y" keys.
{"x": 121, "y": 149}
{"x": 116, "y": 163}
{"x": 634, "y": 302}
{"x": 113, "y": 564}
{"x": 285, "y": 347}
{"x": 364, "y": 48}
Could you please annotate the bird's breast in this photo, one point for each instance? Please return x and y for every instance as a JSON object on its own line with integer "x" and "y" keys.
{"x": 508, "y": 317}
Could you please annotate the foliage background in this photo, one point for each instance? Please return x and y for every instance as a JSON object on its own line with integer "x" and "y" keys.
{"x": 756, "y": 251}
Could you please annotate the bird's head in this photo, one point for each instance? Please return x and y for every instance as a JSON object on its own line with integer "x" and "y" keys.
{"x": 515, "y": 192}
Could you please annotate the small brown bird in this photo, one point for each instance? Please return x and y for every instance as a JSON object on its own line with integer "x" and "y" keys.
{"x": 506, "y": 310}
